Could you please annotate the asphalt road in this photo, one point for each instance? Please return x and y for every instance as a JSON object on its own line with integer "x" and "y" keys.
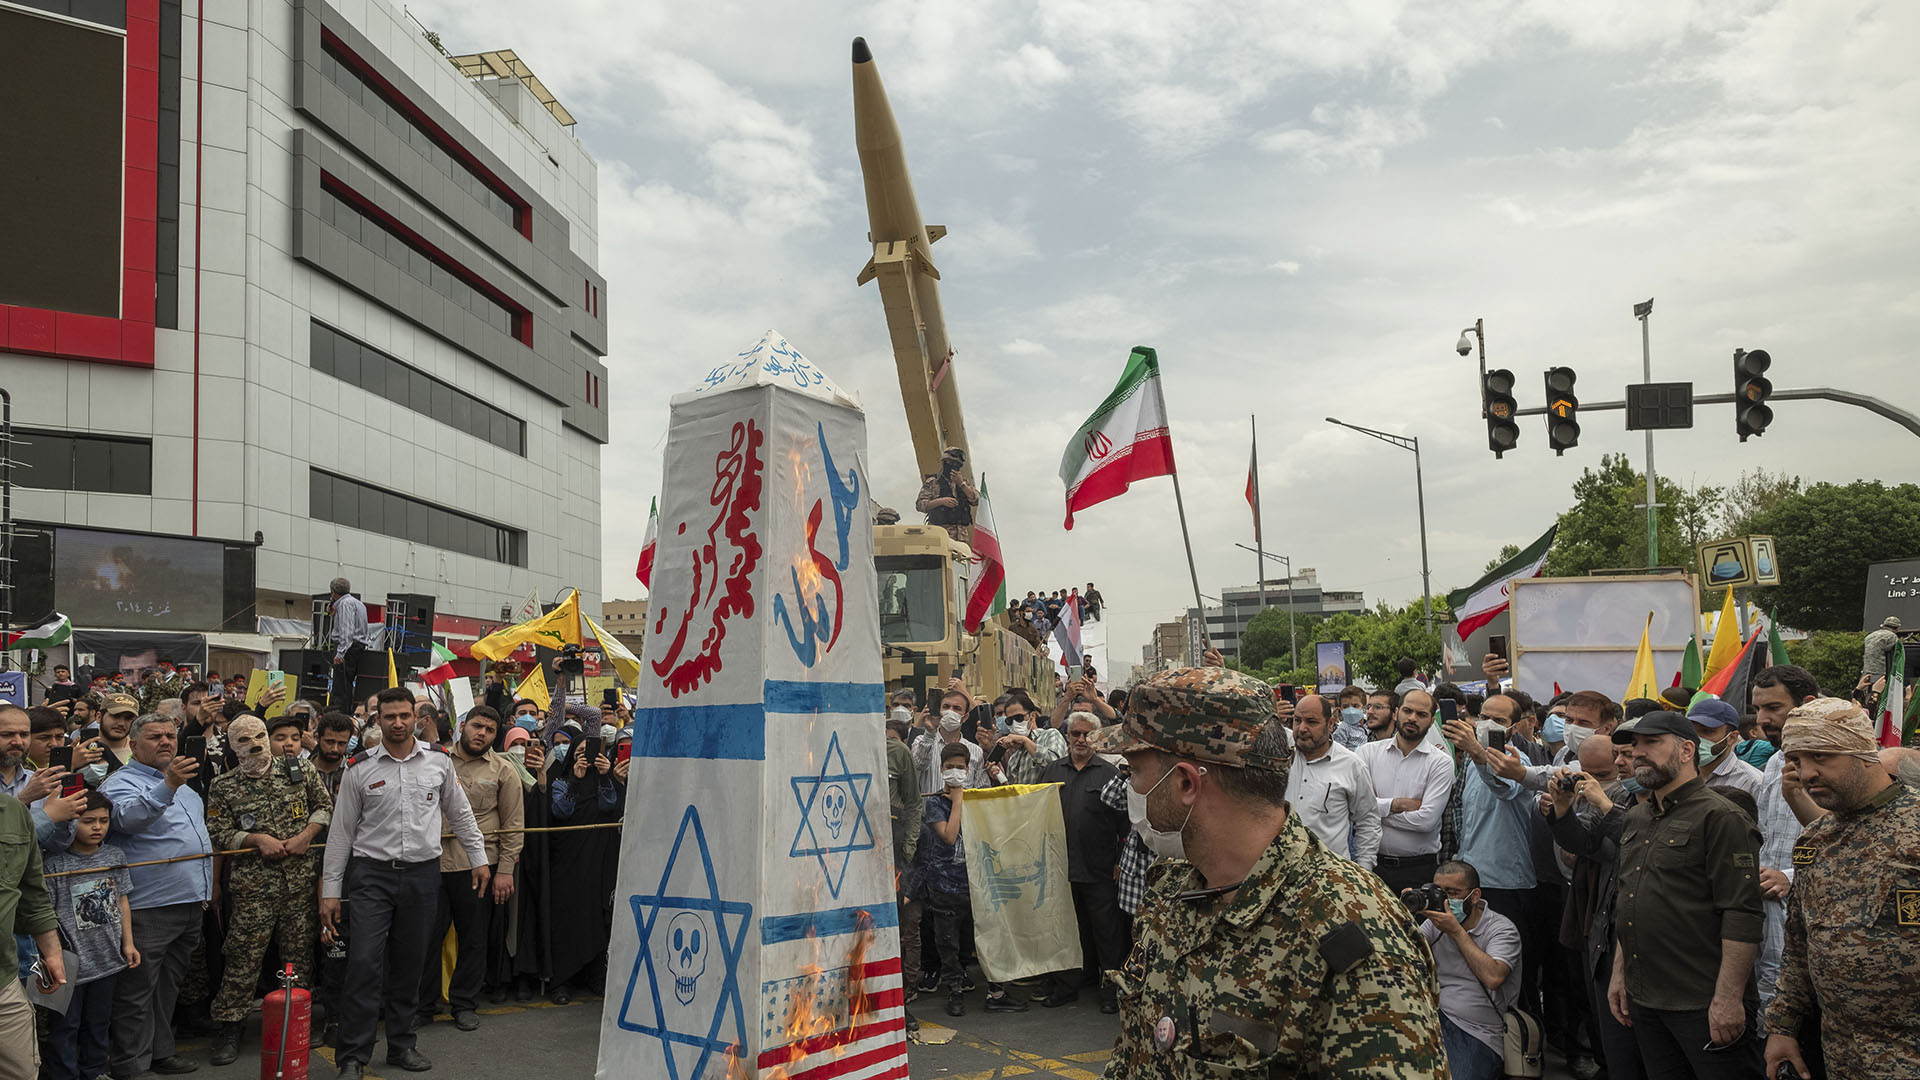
{"x": 560, "y": 1042}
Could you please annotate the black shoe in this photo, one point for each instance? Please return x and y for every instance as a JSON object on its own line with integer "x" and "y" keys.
{"x": 499, "y": 995}
{"x": 174, "y": 1064}
{"x": 913, "y": 1024}
{"x": 966, "y": 983}
{"x": 1005, "y": 1003}
{"x": 560, "y": 995}
{"x": 523, "y": 993}
{"x": 1109, "y": 1005}
{"x": 226, "y": 1045}
{"x": 330, "y": 1035}
{"x": 929, "y": 981}
{"x": 351, "y": 1070}
{"x": 956, "y": 1004}
{"x": 1059, "y": 998}
{"x": 466, "y": 1020}
{"x": 409, "y": 1059}
{"x": 423, "y": 1018}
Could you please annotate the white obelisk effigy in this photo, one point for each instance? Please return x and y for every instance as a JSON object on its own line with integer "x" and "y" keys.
{"x": 754, "y": 926}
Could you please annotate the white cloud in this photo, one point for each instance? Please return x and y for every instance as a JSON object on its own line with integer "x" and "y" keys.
{"x": 1023, "y": 347}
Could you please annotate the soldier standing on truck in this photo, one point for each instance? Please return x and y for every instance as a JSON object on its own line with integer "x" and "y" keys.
{"x": 948, "y": 497}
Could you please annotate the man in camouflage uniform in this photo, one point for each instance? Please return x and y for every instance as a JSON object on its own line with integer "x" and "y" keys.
{"x": 1258, "y": 953}
{"x": 948, "y": 498}
{"x": 1853, "y": 916}
{"x": 276, "y": 803}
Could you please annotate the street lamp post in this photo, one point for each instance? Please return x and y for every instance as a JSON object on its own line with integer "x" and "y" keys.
{"x": 1293, "y": 653}
{"x": 1408, "y": 442}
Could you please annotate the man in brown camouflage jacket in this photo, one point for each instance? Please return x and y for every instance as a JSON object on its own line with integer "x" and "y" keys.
{"x": 1258, "y": 953}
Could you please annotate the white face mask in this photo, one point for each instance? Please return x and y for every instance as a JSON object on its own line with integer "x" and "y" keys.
{"x": 1020, "y": 727}
{"x": 1167, "y": 845}
{"x": 953, "y": 777}
{"x": 1575, "y": 735}
{"x": 949, "y": 721}
{"x": 902, "y": 714}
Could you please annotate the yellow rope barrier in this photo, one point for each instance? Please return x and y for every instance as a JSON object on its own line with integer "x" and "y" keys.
{"x": 317, "y": 847}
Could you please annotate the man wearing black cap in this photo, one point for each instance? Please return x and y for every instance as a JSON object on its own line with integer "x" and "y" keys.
{"x": 948, "y": 496}
{"x": 1688, "y": 918}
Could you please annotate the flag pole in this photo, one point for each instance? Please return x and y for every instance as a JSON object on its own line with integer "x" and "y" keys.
{"x": 1259, "y": 541}
{"x": 1180, "y": 506}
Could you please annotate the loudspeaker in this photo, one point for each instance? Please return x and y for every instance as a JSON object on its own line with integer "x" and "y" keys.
{"x": 313, "y": 667}
{"x": 409, "y": 618}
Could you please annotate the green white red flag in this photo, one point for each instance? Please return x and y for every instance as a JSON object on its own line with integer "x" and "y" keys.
{"x": 442, "y": 667}
{"x": 987, "y": 595}
{"x": 647, "y": 546}
{"x": 1126, "y": 438}
{"x": 1893, "y": 701}
{"x": 1477, "y": 604}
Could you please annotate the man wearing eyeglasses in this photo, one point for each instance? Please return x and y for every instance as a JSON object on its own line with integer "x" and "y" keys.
{"x": 1094, "y": 832}
{"x": 1330, "y": 787}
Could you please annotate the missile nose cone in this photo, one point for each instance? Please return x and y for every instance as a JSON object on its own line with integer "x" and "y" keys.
{"x": 861, "y": 54}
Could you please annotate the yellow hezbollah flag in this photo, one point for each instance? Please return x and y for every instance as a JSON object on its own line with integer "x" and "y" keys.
{"x": 534, "y": 688}
{"x": 393, "y": 673}
{"x": 1726, "y": 639}
{"x": 625, "y": 664}
{"x": 556, "y": 628}
{"x": 1016, "y": 849}
{"x": 1643, "y": 683}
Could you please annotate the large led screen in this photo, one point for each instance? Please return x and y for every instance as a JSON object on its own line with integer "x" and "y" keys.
{"x": 61, "y": 211}
{"x": 126, "y": 581}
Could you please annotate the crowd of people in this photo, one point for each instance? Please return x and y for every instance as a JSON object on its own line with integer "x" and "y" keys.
{"x": 1663, "y": 887}
{"x": 167, "y": 851}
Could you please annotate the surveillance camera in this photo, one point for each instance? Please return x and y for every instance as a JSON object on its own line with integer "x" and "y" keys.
{"x": 1465, "y": 347}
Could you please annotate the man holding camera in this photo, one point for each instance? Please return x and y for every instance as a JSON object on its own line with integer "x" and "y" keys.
{"x": 157, "y": 815}
{"x": 948, "y": 497}
{"x": 1475, "y": 952}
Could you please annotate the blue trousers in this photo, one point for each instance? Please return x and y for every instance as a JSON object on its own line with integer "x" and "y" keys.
{"x": 76, "y": 1046}
{"x": 1467, "y": 1057}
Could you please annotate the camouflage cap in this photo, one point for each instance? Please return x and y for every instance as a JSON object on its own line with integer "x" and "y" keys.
{"x": 119, "y": 703}
{"x": 1205, "y": 713}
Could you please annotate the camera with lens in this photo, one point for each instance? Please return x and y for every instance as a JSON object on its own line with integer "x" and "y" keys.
{"x": 1568, "y": 783}
{"x": 1427, "y": 897}
{"x": 570, "y": 662}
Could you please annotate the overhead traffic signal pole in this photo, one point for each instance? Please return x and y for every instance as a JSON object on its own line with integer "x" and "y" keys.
{"x": 1641, "y": 312}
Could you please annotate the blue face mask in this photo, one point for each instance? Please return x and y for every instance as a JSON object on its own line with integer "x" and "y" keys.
{"x": 559, "y": 752}
{"x": 1457, "y": 908}
{"x": 1351, "y": 715}
{"x": 1555, "y": 728}
{"x": 1631, "y": 785}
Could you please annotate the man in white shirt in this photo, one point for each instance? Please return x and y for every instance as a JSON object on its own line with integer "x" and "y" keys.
{"x": 1718, "y": 725}
{"x": 954, "y": 705}
{"x": 1329, "y": 786}
{"x": 1411, "y": 781}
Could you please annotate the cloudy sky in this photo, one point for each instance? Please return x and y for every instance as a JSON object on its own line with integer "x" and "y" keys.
{"x": 1299, "y": 205}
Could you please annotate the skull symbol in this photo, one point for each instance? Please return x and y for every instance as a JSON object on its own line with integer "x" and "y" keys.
{"x": 834, "y": 802}
{"x": 686, "y": 954}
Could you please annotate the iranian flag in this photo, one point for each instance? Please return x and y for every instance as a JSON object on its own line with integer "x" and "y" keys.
{"x": 1253, "y": 489}
{"x": 51, "y": 631}
{"x": 442, "y": 668}
{"x": 645, "y": 570}
{"x": 1893, "y": 701}
{"x": 988, "y": 594}
{"x": 1477, "y": 604}
{"x": 1126, "y": 438}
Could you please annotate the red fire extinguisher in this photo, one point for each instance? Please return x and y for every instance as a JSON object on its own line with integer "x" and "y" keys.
{"x": 285, "y": 1023}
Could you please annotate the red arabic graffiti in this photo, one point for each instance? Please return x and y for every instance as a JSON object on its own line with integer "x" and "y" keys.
{"x": 718, "y": 593}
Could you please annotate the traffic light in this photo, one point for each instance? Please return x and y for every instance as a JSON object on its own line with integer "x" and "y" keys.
{"x": 1750, "y": 392}
{"x": 1563, "y": 411}
{"x": 1503, "y": 434}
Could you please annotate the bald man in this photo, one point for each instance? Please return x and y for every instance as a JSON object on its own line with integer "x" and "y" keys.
{"x": 1330, "y": 787}
{"x": 1903, "y": 763}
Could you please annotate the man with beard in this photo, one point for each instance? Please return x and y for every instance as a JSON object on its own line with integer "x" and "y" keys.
{"x": 493, "y": 790}
{"x": 333, "y": 731}
{"x": 1853, "y": 917}
{"x": 1381, "y": 707}
{"x": 1330, "y": 788}
{"x": 1412, "y": 780}
{"x": 116, "y": 730}
{"x": 1784, "y": 810}
{"x": 1259, "y": 952}
{"x": 1689, "y": 918}
{"x": 276, "y": 804}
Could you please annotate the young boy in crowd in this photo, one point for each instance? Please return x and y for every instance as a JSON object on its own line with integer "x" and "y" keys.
{"x": 943, "y": 878}
{"x": 97, "y": 921}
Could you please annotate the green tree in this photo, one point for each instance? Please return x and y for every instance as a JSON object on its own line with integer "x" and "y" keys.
{"x": 1825, "y": 537}
{"x": 1832, "y": 657}
{"x": 1606, "y": 529}
{"x": 1756, "y": 492}
{"x": 1384, "y": 635}
{"x": 1265, "y": 639}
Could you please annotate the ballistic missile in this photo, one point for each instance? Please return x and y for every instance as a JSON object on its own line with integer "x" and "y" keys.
{"x": 903, "y": 265}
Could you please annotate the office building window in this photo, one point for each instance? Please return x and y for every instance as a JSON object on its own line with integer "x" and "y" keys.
{"x": 430, "y": 268}
{"x": 351, "y": 361}
{"x": 335, "y": 498}
{"x": 68, "y": 461}
{"x": 345, "y": 70}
